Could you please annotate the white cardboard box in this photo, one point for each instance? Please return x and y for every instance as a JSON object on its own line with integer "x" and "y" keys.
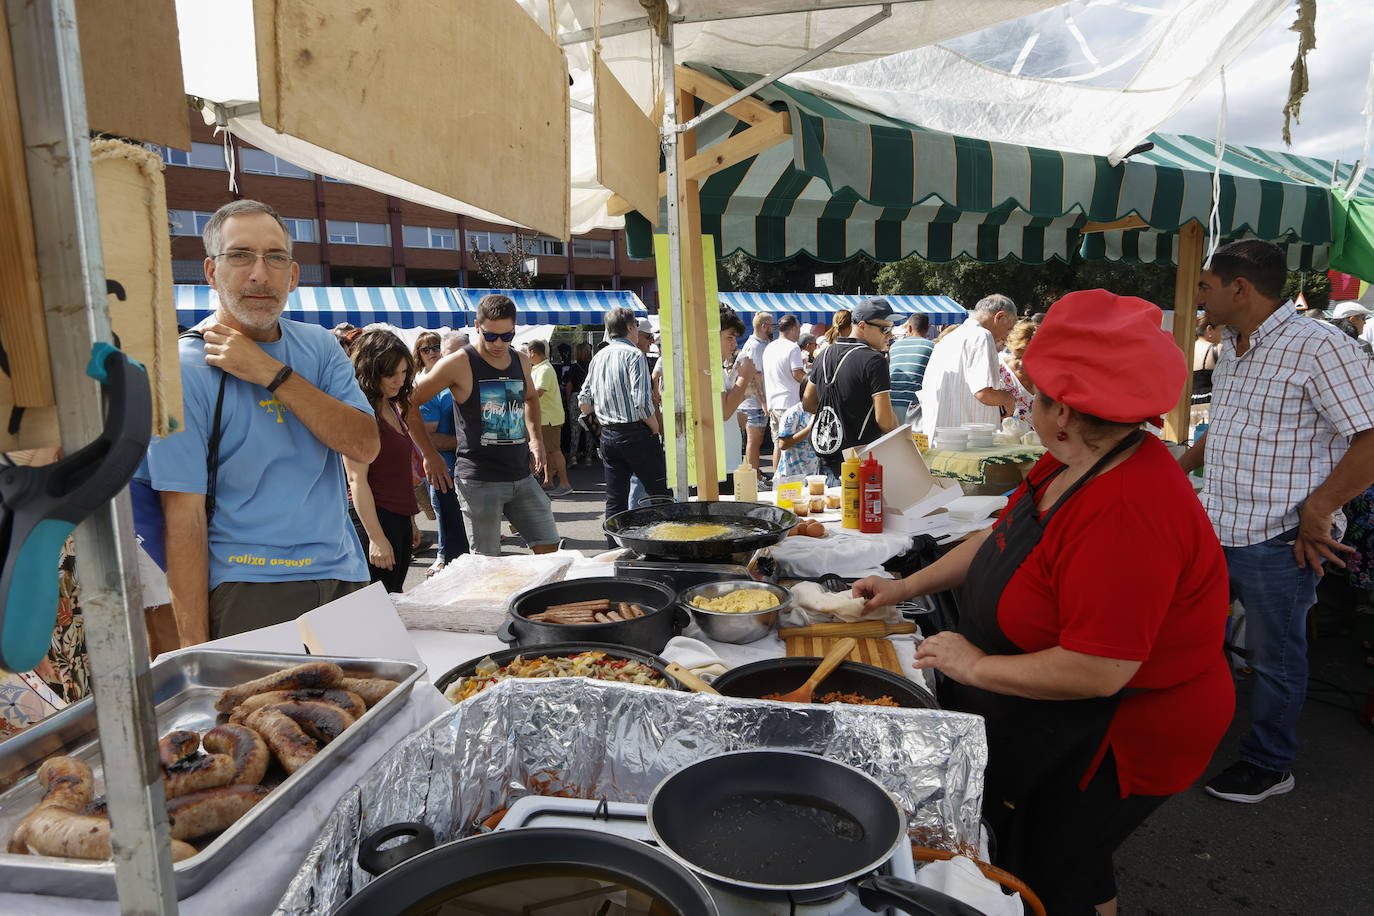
{"x": 910, "y": 491}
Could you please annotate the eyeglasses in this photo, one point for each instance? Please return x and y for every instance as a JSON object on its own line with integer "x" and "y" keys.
{"x": 434, "y": 349}
{"x": 240, "y": 258}
{"x": 885, "y": 328}
{"x": 494, "y": 337}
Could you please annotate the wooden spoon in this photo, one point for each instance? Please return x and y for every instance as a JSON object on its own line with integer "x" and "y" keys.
{"x": 838, "y": 653}
{"x": 696, "y": 684}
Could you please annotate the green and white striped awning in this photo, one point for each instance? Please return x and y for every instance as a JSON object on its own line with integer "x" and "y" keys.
{"x": 852, "y": 181}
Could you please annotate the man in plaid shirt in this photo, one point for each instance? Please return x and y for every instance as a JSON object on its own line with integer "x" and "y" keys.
{"x": 1290, "y": 442}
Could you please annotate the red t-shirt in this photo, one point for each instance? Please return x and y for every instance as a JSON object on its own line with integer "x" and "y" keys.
{"x": 1131, "y": 568}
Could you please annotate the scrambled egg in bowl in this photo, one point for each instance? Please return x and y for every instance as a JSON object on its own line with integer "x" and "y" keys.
{"x": 740, "y": 601}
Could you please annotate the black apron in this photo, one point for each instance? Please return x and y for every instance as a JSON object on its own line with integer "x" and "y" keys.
{"x": 1029, "y": 741}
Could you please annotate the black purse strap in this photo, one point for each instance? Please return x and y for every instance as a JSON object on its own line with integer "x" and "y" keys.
{"x": 212, "y": 446}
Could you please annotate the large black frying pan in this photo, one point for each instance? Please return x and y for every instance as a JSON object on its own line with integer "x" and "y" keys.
{"x": 779, "y": 675}
{"x": 505, "y": 656}
{"x": 789, "y": 824}
{"x": 754, "y": 525}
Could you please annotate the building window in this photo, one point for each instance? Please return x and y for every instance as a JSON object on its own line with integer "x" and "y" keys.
{"x": 490, "y": 241}
{"x": 311, "y": 274}
{"x": 257, "y": 162}
{"x": 546, "y": 245}
{"x": 591, "y": 248}
{"x": 302, "y": 230}
{"x": 350, "y": 233}
{"x": 201, "y": 156}
{"x": 429, "y": 237}
{"x": 185, "y": 270}
{"x": 187, "y": 222}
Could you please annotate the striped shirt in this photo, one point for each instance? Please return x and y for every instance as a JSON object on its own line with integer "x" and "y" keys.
{"x": 960, "y": 366}
{"x": 1282, "y": 417}
{"x": 617, "y": 385}
{"x": 906, "y": 364}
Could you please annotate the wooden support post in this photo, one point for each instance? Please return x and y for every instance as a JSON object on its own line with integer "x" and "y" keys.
{"x": 22, "y": 328}
{"x": 694, "y": 305}
{"x": 1190, "y": 250}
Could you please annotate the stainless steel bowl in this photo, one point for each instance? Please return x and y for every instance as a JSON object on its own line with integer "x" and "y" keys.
{"x": 735, "y": 628}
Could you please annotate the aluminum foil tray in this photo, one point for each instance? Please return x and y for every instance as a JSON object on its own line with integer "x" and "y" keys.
{"x": 595, "y": 739}
{"x": 185, "y": 686}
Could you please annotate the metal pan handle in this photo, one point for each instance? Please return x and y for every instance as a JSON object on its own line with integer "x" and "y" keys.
{"x": 879, "y": 891}
{"x": 374, "y": 860}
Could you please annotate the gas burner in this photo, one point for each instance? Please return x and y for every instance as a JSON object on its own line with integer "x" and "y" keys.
{"x": 628, "y": 820}
{"x": 678, "y": 574}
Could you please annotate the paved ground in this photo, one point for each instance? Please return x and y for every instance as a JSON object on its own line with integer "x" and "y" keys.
{"x": 1308, "y": 852}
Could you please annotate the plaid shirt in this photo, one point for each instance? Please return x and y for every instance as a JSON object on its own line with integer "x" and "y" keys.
{"x": 1282, "y": 417}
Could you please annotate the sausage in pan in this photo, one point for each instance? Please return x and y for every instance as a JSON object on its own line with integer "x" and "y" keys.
{"x": 320, "y": 721}
{"x": 203, "y": 771}
{"x": 68, "y": 785}
{"x": 291, "y": 746}
{"x": 371, "y": 689}
{"x": 177, "y": 746}
{"x": 301, "y": 677}
{"x": 245, "y": 746}
{"x": 203, "y": 813}
{"x": 59, "y": 832}
{"x": 349, "y": 702}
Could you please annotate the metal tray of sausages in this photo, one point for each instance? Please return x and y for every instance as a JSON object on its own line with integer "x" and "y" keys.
{"x": 185, "y": 686}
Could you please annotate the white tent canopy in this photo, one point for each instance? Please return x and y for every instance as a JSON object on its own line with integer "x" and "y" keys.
{"x": 1089, "y": 75}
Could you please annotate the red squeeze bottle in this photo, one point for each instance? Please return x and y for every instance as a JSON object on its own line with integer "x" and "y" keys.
{"x": 871, "y": 496}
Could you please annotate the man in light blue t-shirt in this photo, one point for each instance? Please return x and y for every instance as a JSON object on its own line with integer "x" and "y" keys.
{"x": 279, "y": 542}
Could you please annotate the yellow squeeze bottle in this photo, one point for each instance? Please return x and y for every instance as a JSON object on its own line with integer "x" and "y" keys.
{"x": 849, "y": 493}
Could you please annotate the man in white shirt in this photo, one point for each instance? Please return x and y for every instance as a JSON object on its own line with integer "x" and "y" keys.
{"x": 960, "y": 384}
{"x": 751, "y": 409}
{"x": 1291, "y": 441}
{"x": 783, "y": 370}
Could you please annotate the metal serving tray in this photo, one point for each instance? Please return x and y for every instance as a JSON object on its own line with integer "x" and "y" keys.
{"x": 185, "y": 687}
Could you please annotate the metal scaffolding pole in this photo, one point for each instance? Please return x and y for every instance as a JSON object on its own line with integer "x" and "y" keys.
{"x": 670, "y": 139}
{"x": 52, "y": 103}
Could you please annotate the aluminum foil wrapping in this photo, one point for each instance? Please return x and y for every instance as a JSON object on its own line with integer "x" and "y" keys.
{"x": 593, "y": 739}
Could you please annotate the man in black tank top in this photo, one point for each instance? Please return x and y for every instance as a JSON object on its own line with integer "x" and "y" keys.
{"x": 496, "y": 424}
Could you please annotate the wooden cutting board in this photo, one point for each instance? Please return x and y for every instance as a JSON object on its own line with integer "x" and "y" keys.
{"x": 880, "y": 653}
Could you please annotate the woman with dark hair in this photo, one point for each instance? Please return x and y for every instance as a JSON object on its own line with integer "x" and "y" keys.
{"x": 383, "y": 496}
{"x": 1091, "y": 622}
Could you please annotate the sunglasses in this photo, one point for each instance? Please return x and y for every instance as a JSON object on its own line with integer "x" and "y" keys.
{"x": 494, "y": 337}
{"x": 434, "y": 349}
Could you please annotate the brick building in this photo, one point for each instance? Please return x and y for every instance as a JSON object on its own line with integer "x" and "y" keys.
{"x": 347, "y": 235}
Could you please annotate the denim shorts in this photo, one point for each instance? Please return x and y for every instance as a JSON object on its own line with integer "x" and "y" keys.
{"x": 757, "y": 418}
{"x": 522, "y": 501}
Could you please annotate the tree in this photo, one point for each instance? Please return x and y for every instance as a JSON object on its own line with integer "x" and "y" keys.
{"x": 741, "y": 273}
{"x": 1315, "y": 288}
{"x": 1031, "y": 286}
{"x": 506, "y": 272}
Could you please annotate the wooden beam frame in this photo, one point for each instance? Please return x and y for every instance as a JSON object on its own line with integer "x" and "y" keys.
{"x": 730, "y": 151}
{"x": 1190, "y": 253}
{"x": 1126, "y": 222}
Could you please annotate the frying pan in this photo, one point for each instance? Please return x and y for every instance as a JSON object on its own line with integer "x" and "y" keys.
{"x": 758, "y": 525}
{"x": 777, "y": 675}
{"x": 788, "y": 824}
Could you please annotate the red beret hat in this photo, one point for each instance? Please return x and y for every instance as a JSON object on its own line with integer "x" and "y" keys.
{"x": 1106, "y": 355}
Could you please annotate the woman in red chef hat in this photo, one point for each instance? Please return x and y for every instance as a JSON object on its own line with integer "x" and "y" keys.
{"x": 1092, "y": 613}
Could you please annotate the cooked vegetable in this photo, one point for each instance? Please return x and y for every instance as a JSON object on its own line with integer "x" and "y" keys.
{"x": 595, "y": 664}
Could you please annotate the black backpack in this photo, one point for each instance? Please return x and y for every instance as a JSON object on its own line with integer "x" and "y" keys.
{"x": 828, "y": 434}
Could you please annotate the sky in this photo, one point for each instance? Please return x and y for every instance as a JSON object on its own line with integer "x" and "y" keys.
{"x": 1332, "y": 126}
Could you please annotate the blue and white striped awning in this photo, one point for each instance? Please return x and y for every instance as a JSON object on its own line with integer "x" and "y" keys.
{"x": 820, "y": 308}
{"x": 402, "y": 306}
{"x": 556, "y": 306}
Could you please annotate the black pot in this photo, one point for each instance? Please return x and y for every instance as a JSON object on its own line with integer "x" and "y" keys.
{"x": 469, "y": 667}
{"x": 650, "y": 632}
{"x": 779, "y": 675}
{"x": 498, "y": 871}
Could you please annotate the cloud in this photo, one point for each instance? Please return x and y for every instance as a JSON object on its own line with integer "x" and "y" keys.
{"x": 1331, "y": 125}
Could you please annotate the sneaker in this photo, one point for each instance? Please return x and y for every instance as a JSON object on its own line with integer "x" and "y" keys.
{"x": 1248, "y": 784}
{"x": 561, "y": 491}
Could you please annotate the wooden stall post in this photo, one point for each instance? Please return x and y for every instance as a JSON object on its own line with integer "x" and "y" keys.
{"x": 1190, "y": 250}
{"x": 698, "y": 351}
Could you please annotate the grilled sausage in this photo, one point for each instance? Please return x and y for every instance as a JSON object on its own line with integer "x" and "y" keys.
{"x": 177, "y": 746}
{"x": 203, "y": 813}
{"x": 68, "y": 785}
{"x": 320, "y": 721}
{"x": 59, "y": 832}
{"x": 245, "y": 746}
{"x": 291, "y": 746}
{"x": 349, "y": 702}
{"x": 371, "y": 689}
{"x": 301, "y": 677}
{"x": 203, "y": 771}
